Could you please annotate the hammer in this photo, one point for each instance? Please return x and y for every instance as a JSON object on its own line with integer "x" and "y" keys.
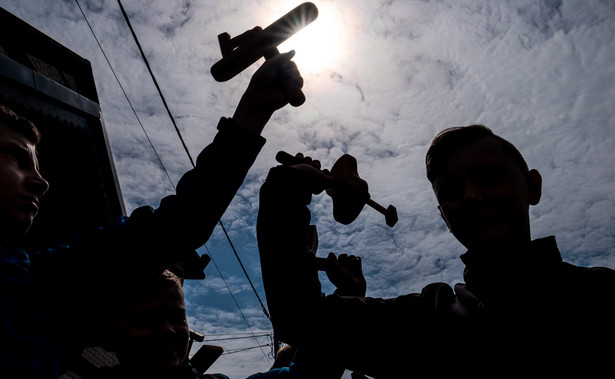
{"x": 350, "y": 192}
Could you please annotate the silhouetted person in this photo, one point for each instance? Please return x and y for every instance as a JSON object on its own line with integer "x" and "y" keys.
{"x": 521, "y": 311}
{"x": 346, "y": 274}
{"x": 148, "y": 330}
{"x": 50, "y": 300}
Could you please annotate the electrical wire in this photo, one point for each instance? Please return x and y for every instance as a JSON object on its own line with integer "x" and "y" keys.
{"x": 125, "y": 95}
{"x": 245, "y": 272}
{"x": 160, "y": 160}
{"x": 236, "y": 334}
{"x": 237, "y": 338}
{"x": 235, "y": 300}
{"x": 134, "y": 35}
{"x": 244, "y": 349}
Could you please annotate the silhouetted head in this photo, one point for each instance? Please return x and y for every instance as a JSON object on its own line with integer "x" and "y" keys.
{"x": 483, "y": 186}
{"x": 21, "y": 185}
{"x": 20, "y": 125}
{"x": 149, "y": 326}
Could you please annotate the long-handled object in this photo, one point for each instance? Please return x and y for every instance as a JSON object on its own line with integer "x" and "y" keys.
{"x": 349, "y": 193}
{"x": 242, "y": 51}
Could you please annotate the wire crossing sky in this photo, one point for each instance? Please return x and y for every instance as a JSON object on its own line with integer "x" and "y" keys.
{"x": 183, "y": 144}
{"x": 381, "y": 79}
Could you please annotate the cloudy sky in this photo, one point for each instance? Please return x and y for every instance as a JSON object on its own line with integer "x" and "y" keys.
{"x": 381, "y": 79}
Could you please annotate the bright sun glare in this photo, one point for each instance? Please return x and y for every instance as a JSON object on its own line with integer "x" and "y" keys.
{"x": 319, "y": 44}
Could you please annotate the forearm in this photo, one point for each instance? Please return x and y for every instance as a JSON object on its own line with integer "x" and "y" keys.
{"x": 351, "y": 330}
{"x": 251, "y": 116}
{"x": 185, "y": 220}
{"x": 301, "y": 315}
{"x": 205, "y": 192}
{"x": 288, "y": 265}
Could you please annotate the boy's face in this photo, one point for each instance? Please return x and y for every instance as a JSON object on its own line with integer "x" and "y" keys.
{"x": 21, "y": 185}
{"x": 484, "y": 196}
{"x": 155, "y": 333}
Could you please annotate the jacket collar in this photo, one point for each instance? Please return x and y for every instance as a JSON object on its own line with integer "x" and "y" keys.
{"x": 14, "y": 265}
{"x": 487, "y": 272}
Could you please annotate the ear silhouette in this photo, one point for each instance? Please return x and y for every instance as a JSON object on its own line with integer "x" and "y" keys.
{"x": 534, "y": 181}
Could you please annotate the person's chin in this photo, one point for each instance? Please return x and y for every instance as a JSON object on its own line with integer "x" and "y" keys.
{"x": 21, "y": 223}
{"x": 489, "y": 239}
{"x": 166, "y": 358}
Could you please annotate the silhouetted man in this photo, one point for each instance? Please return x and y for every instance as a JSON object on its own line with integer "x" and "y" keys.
{"x": 50, "y": 300}
{"x": 148, "y": 330}
{"x": 521, "y": 309}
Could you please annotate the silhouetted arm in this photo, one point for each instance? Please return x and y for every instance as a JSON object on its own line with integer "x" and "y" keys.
{"x": 184, "y": 221}
{"x": 288, "y": 264}
{"x": 356, "y": 332}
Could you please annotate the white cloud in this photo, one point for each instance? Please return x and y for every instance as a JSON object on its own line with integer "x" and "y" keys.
{"x": 538, "y": 73}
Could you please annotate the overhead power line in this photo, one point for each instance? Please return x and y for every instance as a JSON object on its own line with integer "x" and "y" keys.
{"x": 124, "y": 92}
{"x": 134, "y": 35}
{"x": 244, "y": 349}
{"x": 238, "y": 335}
{"x": 233, "y": 297}
{"x": 245, "y": 272}
{"x": 209, "y": 339}
{"x": 182, "y": 141}
{"x": 155, "y": 81}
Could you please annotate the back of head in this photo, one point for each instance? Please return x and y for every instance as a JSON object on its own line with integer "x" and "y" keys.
{"x": 19, "y": 124}
{"x": 451, "y": 139}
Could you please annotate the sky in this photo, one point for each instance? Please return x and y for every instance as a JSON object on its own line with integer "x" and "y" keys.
{"x": 381, "y": 79}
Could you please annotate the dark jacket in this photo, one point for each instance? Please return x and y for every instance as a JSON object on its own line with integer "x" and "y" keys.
{"x": 51, "y": 299}
{"x": 176, "y": 372}
{"x": 518, "y": 312}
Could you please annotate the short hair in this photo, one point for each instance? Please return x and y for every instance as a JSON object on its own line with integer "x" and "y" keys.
{"x": 19, "y": 124}
{"x": 132, "y": 293}
{"x": 170, "y": 277}
{"x": 452, "y": 139}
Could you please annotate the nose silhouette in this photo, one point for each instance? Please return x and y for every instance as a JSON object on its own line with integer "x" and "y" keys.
{"x": 472, "y": 192}
{"x": 166, "y": 327}
{"x": 36, "y": 184}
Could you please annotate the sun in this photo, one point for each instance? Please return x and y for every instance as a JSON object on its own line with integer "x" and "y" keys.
{"x": 318, "y": 46}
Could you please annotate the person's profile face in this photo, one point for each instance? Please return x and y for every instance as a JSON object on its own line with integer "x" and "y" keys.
{"x": 155, "y": 333}
{"x": 21, "y": 185}
{"x": 483, "y": 196}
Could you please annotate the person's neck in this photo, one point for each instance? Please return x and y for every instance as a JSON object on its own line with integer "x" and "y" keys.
{"x": 8, "y": 243}
{"x": 5, "y": 243}
{"x": 498, "y": 252}
{"x": 10, "y": 236}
